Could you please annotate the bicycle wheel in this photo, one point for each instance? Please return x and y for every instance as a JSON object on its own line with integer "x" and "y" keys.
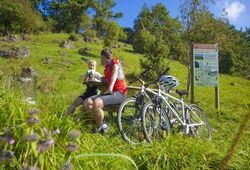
{"x": 198, "y": 123}
{"x": 155, "y": 123}
{"x": 129, "y": 121}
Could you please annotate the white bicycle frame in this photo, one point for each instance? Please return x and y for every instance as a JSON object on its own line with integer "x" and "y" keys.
{"x": 165, "y": 96}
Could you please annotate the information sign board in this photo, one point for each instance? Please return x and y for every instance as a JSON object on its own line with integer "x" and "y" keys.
{"x": 205, "y": 64}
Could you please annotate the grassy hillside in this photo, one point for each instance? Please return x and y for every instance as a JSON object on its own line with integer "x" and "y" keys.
{"x": 59, "y": 83}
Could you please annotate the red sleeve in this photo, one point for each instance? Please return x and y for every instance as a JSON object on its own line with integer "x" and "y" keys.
{"x": 115, "y": 61}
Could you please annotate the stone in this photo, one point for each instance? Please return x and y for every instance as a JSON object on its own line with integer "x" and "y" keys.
{"x": 67, "y": 44}
{"x": 88, "y": 39}
{"x": 23, "y": 52}
{"x": 11, "y": 38}
{"x": 84, "y": 51}
{"x": 28, "y": 72}
{"x": 47, "y": 60}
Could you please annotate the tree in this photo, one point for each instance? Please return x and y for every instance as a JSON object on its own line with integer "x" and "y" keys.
{"x": 157, "y": 21}
{"x": 190, "y": 10}
{"x": 155, "y": 57}
{"x": 19, "y": 17}
{"x": 200, "y": 26}
{"x": 143, "y": 39}
{"x": 130, "y": 33}
{"x": 113, "y": 32}
{"x": 103, "y": 14}
{"x": 70, "y": 15}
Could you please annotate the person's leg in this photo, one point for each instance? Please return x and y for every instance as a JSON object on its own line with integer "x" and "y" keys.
{"x": 88, "y": 103}
{"x": 100, "y": 102}
{"x": 77, "y": 102}
{"x": 98, "y": 114}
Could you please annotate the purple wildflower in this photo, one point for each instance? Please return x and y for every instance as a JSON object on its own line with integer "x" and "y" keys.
{"x": 57, "y": 131}
{"x": 33, "y": 111}
{"x": 33, "y": 137}
{"x": 11, "y": 141}
{"x": 6, "y": 156}
{"x": 44, "y": 145}
{"x": 72, "y": 146}
{"x": 32, "y": 120}
{"x": 7, "y": 136}
{"x": 46, "y": 132}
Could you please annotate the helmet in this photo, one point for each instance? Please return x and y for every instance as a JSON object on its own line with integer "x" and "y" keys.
{"x": 168, "y": 82}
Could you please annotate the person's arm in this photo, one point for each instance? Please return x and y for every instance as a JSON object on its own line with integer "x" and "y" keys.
{"x": 113, "y": 77}
{"x": 86, "y": 76}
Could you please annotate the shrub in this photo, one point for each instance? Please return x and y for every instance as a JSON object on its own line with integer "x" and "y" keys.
{"x": 19, "y": 17}
{"x": 89, "y": 33}
{"x": 73, "y": 37}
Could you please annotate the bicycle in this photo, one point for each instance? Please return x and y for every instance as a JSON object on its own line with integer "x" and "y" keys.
{"x": 130, "y": 112}
{"x": 161, "y": 114}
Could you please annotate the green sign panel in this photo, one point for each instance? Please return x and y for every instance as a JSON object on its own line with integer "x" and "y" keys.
{"x": 205, "y": 63}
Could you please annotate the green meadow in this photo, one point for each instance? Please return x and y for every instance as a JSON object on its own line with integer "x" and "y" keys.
{"x": 59, "y": 83}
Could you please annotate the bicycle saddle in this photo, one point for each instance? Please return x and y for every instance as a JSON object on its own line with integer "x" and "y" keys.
{"x": 181, "y": 92}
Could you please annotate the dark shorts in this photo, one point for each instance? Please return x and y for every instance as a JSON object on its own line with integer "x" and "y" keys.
{"x": 87, "y": 95}
{"x": 116, "y": 98}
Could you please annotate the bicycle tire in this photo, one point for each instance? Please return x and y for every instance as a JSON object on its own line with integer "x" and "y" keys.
{"x": 196, "y": 115}
{"x": 129, "y": 122}
{"x": 155, "y": 127}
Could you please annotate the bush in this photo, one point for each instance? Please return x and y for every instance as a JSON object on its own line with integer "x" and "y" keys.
{"x": 73, "y": 37}
{"x": 142, "y": 41}
{"x": 89, "y": 33}
{"x": 19, "y": 17}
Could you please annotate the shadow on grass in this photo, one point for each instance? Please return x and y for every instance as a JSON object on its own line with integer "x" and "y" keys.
{"x": 130, "y": 51}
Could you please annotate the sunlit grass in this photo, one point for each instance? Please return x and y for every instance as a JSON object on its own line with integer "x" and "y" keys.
{"x": 59, "y": 83}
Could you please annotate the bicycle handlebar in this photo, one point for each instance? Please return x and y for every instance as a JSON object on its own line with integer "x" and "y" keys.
{"x": 162, "y": 73}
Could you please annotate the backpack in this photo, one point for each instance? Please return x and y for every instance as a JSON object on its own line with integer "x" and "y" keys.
{"x": 120, "y": 75}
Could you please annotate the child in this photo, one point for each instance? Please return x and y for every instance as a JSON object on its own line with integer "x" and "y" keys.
{"x": 90, "y": 90}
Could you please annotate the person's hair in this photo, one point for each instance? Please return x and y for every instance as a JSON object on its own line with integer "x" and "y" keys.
{"x": 107, "y": 53}
{"x": 92, "y": 61}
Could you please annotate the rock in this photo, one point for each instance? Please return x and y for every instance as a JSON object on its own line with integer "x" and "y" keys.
{"x": 47, "y": 60}
{"x": 88, "y": 39}
{"x": 7, "y": 53}
{"x": 67, "y": 44}
{"x": 11, "y": 38}
{"x": 28, "y": 72}
{"x": 84, "y": 51}
{"x": 23, "y": 52}
{"x": 116, "y": 46}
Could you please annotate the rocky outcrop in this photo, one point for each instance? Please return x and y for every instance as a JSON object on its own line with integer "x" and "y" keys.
{"x": 67, "y": 44}
{"x": 21, "y": 52}
{"x": 84, "y": 51}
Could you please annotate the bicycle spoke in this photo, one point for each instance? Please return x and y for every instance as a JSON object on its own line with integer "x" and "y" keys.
{"x": 129, "y": 122}
{"x": 198, "y": 124}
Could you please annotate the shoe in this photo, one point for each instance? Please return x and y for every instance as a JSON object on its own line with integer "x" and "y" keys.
{"x": 103, "y": 129}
